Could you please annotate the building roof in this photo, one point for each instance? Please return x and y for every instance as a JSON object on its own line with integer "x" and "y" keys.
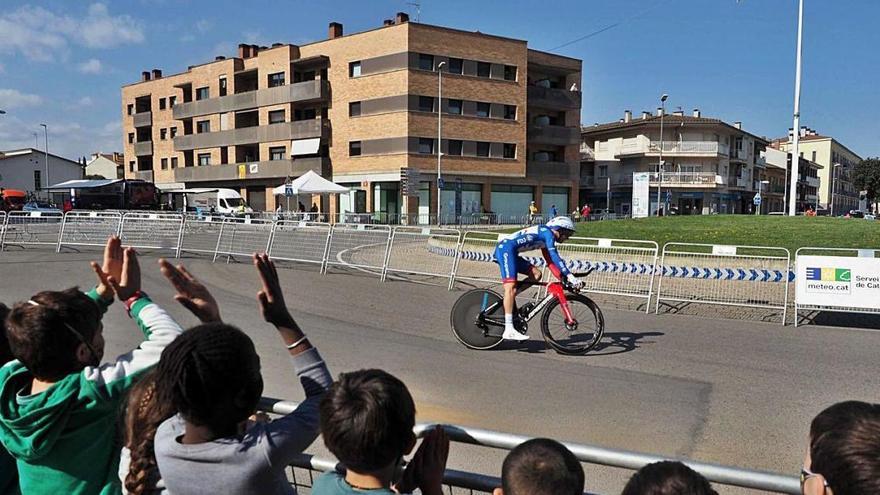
{"x": 669, "y": 119}
{"x": 26, "y": 151}
{"x": 813, "y": 137}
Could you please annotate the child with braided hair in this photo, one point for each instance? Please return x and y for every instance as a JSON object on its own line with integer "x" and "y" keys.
{"x": 211, "y": 377}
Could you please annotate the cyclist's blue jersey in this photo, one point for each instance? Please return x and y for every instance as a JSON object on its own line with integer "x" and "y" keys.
{"x": 528, "y": 239}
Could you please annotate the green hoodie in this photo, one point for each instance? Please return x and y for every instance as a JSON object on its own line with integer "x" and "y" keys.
{"x": 66, "y": 438}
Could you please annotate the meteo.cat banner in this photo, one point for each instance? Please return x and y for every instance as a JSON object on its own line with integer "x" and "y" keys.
{"x": 838, "y": 281}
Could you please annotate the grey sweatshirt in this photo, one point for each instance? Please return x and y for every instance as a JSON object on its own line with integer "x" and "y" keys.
{"x": 253, "y": 463}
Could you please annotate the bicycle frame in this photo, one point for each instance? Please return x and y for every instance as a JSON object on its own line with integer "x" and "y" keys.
{"x": 555, "y": 290}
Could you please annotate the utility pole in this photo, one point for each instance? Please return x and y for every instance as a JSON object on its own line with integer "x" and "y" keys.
{"x": 46, "y": 128}
{"x": 660, "y": 162}
{"x": 795, "y": 155}
{"x": 439, "y": 134}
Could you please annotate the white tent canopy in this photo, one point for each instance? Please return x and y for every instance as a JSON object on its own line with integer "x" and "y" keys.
{"x": 311, "y": 183}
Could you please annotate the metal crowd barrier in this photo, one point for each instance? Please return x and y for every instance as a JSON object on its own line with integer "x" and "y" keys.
{"x": 243, "y": 236}
{"x": 747, "y": 276}
{"x": 200, "y": 233}
{"x": 410, "y": 252}
{"x": 147, "y": 230}
{"x": 358, "y": 246}
{"x": 23, "y": 228}
{"x": 817, "y": 251}
{"x": 300, "y": 240}
{"x": 88, "y": 228}
{"x": 474, "y": 257}
{"x": 590, "y": 454}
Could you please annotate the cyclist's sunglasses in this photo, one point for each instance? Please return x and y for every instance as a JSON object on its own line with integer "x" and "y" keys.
{"x": 807, "y": 474}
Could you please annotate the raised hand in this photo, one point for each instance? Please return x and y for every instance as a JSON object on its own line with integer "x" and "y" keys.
{"x": 111, "y": 267}
{"x": 271, "y": 297}
{"x": 191, "y": 293}
{"x": 425, "y": 470}
{"x": 129, "y": 281}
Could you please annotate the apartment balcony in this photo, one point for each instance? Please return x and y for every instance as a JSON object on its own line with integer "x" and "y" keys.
{"x": 760, "y": 162}
{"x": 555, "y": 135}
{"x": 777, "y": 189}
{"x": 301, "y": 92}
{"x": 813, "y": 181}
{"x": 739, "y": 155}
{"x": 688, "y": 179}
{"x": 300, "y": 129}
{"x": 643, "y": 146}
{"x": 587, "y": 152}
{"x": 143, "y": 148}
{"x": 272, "y": 169}
{"x": 146, "y": 175}
{"x": 587, "y": 181}
{"x": 553, "y": 170}
{"x": 143, "y": 119}
{"x": 552, "y": 98}
{"x": 738, "y": 182}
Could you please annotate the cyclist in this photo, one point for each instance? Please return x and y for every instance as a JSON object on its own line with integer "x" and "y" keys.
{"x": 543, "y": 237}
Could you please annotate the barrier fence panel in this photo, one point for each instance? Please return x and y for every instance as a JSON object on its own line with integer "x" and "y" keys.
{"x": 31, "y": 228}
{"x": 591, "y": 454}
{"x": 841, "y": 280}
{"x": 748, "y": 276}
{"x": 358, "y": 246}
{"x": 88, "y": 228}
{"x": 243, "y": 237}
{"x": 474, "y": 257}
{"x": 200, "y": 233}
{"x": 411, "y": 251}
{"x": 300, "y": 241}
{"x": 152, "y": 230}
{"x": 2, "y": 228}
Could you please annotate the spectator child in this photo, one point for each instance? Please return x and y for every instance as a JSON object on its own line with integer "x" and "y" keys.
{"x": 8, "y": 470}
{"x": 367, "y": 421}
{"x": 211, "y": 377}
{"x": 59, "y": 404}
{"x": 667, "y": 478}
{"x": 541, "y": 466}
{"x": 844, "y": 453}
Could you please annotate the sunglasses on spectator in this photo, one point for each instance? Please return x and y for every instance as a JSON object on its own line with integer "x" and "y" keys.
{"x": 807, "y": 474}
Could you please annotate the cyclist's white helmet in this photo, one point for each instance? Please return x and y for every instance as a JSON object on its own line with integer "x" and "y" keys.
{"x": 557, "y": 223}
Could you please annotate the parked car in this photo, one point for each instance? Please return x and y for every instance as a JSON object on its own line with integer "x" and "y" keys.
{"x": 41, "y": 206}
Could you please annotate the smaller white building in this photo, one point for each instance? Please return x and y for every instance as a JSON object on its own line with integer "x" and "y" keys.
{"x": 107, "y": 165}
{"x": 26, "y": 169}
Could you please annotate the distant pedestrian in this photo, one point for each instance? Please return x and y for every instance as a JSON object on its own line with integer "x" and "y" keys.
{"x": 553, "y": 212}
{"x": 585, "y": 212}
{"x": 533, "y": 212}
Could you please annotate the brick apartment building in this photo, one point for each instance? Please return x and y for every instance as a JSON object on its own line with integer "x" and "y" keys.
{"x": 357, "y": 109}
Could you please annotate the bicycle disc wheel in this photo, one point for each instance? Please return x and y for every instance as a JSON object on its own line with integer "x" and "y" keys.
{"x": 577, "y": 339}
{"x": 463, "y": 318}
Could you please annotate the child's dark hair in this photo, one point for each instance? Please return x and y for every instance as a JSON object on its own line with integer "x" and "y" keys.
{"x": 210, "y": 374}
{"x": 5, "y": 352}
{"x": 367, "y": 420}
{"x": 667, "y": 478}
{"x": 541, "y": 466}
{"x": 845, "y": 447}
{"x": 143, "y": 415}
{"x": 44, "y": 336}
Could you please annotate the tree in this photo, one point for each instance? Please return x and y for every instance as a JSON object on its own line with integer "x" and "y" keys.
{"x": 866, "y": 176}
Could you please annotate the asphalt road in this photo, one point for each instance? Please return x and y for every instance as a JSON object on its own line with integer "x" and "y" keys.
{"x": 722, "y": 391}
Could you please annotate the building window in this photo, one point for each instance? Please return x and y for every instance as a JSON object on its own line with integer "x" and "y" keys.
{"x": 426, "y": 146}
{"x": 603, "y": 170}
{"x": 276, "y": 79}
{"x": 426, "y": 62}
{"x": 204, "y": 159}
{"x": 454, "y": 107}
{"x": 482, "y": 109}
{"x": 510, "y": 112}
{"x": 276, "y": 116}
{"x": 202, "y": 93}
{"x": 38, "y": 182}
{"x": 354, "y": 109}
{"x": 161, "y": 103}
{"x": 171, "y": 101}
{"x": 354, "y": 69}
{"x": 277, "y": 152}
{"x": 130, "y": 137}
{"x": 174, "y": 161}
{"x": 482, "y": 148}
{"x": 484, "y": 69}
{"x": 164, "y": 163}
{"x": 163, "y": 133}
{"x": 426, "y": 103}
{"x": 354, "y": 148}
{"x": 203, "y": 126}
{"x": 173, "y": 131}
{"x": 455, "y": 65}
{"x": 222, "y": 86}
{"x": 510, "y": 72}
{"x": 131, "y": 166}
{"x": 454, "y": 147}
{"x": 509, "y": 150}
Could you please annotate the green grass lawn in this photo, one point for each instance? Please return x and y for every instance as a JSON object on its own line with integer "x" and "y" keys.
{"x": 743, "y": 230}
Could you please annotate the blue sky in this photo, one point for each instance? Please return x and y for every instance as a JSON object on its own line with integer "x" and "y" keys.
{"x": 63, "y": 62}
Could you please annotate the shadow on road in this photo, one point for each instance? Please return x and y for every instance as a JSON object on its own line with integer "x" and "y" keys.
{"x": 611, "y": 343}
{"x": 843, "y": 320}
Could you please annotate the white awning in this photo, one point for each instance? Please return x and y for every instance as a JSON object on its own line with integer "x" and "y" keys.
{"x": 301, "y": 147}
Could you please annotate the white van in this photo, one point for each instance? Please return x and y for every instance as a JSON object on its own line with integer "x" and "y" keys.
{"x": 222, "y": 201}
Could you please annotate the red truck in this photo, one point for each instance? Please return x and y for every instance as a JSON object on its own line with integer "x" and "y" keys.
{"x": 12, "y": 199}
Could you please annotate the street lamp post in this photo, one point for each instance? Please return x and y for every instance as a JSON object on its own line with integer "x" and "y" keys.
{"x": 833, "y": 185}
{"x": 46, "y": 129}
{"x": 660, "y": 162}
{"x": 758, "y": 206}
{"x": 439, "y": 135}
{"x": 792, "y": 203}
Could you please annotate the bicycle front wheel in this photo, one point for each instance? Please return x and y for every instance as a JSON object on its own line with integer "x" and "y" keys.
{"x": 464, "y": 318}
{"x": 574, "y": 339}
